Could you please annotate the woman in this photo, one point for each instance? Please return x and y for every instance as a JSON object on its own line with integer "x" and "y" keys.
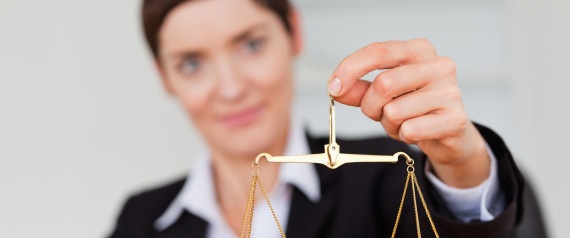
{"x": 229, "y": 63}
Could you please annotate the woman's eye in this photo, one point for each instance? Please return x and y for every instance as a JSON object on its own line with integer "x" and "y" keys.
{"x": 189, "y": 65}
{"x": 254, "y": 45}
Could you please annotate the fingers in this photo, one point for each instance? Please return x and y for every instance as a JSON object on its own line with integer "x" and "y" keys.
{"x": 407, "y": 107}
{"x": 360, "y": 87}
{"x": 416, "y": 105}
{"x": 411, "y": 92}
{"x": 416, "y": 98}
{"x": 436, "y": 126}
{"x": 383, "y": 55}
{"x": 406, "y": 79}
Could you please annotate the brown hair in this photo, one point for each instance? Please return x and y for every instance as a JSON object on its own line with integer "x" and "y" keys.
{"x": 155, "y": 11}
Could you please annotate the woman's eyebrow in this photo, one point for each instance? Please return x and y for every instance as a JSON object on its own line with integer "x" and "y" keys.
{"x": 249, "y": 31}
{"x": 183, "y": 55}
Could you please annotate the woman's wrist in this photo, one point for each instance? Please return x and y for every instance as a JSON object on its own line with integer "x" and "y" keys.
{"x": 472, "y": 169}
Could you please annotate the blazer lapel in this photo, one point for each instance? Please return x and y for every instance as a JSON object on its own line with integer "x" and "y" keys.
{"x": 188, "y": 225}
{"x": 308, "y": 219}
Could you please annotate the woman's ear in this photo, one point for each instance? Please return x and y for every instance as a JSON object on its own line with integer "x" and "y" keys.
{"x": 296, "y": 31}
{"x": 165, "y": 83}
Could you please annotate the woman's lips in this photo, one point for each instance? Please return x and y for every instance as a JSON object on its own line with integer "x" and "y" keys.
{"x": 241, "y": 118}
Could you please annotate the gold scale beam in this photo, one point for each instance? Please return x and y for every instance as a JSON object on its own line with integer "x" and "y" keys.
{"x": 332, "y": 157}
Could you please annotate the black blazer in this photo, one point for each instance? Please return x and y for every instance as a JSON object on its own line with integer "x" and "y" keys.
{"x": 358, "y": 200}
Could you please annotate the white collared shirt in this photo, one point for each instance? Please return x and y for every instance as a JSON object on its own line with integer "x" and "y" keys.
{"x": 198, "y": 197}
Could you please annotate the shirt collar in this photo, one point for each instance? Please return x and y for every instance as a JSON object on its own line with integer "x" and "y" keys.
{"x": 198, "y": 196}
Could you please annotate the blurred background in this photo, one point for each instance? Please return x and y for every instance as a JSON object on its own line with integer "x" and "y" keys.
{"x": 84, "y": 121}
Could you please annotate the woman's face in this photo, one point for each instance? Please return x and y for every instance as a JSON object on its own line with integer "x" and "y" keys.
{"x": 229, "y": 63}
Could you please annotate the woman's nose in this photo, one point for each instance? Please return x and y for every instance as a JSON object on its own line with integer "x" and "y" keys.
{"x": 231, "y": 81}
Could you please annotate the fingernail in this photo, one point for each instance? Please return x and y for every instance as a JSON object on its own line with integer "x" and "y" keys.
{"x": 334, "y": 86}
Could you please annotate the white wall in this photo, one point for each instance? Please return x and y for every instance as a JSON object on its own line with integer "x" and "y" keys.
{"x": 84, "y": 123}
{"x": 83, "y": 119}
{"x": 539, "y": 33}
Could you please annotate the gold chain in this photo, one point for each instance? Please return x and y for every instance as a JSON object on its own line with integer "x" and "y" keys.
{"x": 415, "y": 186}
{"x": 401, "y": 205}
{"x": 410, "y": 178}
{"x": 271, "y": 208}
{"x": 425, "y": 206}
{"x": 248, "y": 216}
{"x": 416, "y": 208}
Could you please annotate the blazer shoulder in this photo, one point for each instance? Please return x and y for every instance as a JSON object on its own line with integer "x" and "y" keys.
{"x": 142, "y": 209}
{"x": 159, "y": 197}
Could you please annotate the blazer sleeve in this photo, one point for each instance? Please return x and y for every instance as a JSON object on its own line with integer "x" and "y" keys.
{"x": 511, "y": 182}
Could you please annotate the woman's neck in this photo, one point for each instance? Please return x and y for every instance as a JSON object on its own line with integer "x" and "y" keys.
{"x": 232, "y": 180}
{"x": 232, "y": 177}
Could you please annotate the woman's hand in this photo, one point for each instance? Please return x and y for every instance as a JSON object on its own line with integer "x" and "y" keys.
{"x": 417, "y": 100}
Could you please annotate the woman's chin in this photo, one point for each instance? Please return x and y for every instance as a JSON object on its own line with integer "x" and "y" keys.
{"x": 251, "y": 136}
{"x": 248, "y": 144}
{"x": 251, "y": 148}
